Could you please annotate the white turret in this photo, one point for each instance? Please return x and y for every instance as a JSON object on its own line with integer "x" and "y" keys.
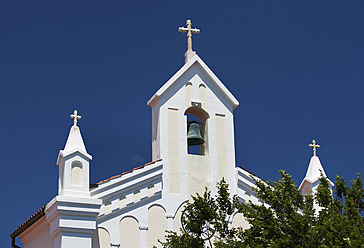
{"x": 72, "y": 214}
{"x": 311, "y": 181}
{"x": 73, "y": 162}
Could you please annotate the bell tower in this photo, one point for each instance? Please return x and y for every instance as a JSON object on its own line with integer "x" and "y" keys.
{"x": 193, "y": 127}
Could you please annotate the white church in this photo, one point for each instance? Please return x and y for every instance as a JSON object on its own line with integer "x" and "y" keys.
{"x": 192, "y": 148}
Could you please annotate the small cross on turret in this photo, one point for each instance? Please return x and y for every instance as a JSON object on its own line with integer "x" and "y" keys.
{"x": 314, "y": 146}
{"x": 75, "y": 117}
{"x": 189, "y": 30}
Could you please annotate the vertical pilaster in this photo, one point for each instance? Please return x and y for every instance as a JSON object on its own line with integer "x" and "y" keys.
{"x": 170, "y": 222}
{"x": 143, "y": 236}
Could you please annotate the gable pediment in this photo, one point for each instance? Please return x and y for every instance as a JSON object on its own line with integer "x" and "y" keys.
{"x": 195, "y": 67}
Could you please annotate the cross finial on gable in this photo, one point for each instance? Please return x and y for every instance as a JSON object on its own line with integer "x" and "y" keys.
{"x": 75, "y": 117}
{"x": 314, "y": 146}
{"x": 189, "y": 30}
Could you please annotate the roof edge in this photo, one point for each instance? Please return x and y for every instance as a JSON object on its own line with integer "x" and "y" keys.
{"x": 127, "y": 172}
{"x": 29, "y": 222}
{"x": 64, "y": 154}
{"x": 307, "y": 179}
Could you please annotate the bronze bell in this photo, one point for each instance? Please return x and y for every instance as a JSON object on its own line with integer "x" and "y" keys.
{"x": 194, "y": 137}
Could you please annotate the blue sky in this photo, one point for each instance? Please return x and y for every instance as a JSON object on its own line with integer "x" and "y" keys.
{"x": 296, "y": 67}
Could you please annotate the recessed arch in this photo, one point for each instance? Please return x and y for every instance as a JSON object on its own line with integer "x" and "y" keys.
{"x": 108, "y": 207}
{"x": 104, "y": 228}
{"x": 200, "y": 113}
{"x": 200, "y": 116}
{"x": 76, "y": 174}
{"x": 122, "y": 201}
{"x": 177, "y": 217}
{"x": 151, "y": 189}
{"x": 129, "y": 232}
{"x": 101, "y": 238}
{"x": 238, "y": 220}
{"x": 129, "y": 216}
{"x": 157, "y": 224}
{"x": 158, "y": 205}
{"x": 179, "y": 207}
{"x": 137, "y": 195}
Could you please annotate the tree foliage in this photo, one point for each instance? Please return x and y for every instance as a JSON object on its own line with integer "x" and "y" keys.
{"x": 282, "y": 218}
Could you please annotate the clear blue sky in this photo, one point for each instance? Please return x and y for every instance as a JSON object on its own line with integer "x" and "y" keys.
{"x": 297, "y": 68}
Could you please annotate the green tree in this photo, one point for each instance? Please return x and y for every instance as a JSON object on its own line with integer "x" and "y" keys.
{"x": 284, "y": 218}
{"x": 340, "y": 221}
{"x": 206, "y": 216}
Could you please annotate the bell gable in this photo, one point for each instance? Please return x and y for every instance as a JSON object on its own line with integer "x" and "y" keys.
{"x": 195, "y": 67}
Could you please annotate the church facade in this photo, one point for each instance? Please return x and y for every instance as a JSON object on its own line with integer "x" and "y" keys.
{"x": 135, "y": 208}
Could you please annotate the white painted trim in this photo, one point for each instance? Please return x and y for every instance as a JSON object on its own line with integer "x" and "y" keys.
{"x": 63, "y": 154}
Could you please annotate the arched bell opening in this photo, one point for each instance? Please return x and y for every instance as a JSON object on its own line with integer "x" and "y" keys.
{"x": 197, "y": 130}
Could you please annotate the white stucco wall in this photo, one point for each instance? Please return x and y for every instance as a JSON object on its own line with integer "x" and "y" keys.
{"x": 199, "y": 174}
{"x": 39, "y": 239}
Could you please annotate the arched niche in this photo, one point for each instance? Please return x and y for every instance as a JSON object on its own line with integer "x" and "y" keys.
{"x": 202, "y": 94}
{"x": 76, "y": 174}
{"x": 157, "y": 225}
{"x": 101, "y": 238}
{"x": 108, "y": 207}
{"x": 177, "y": 218}
{"x": 151, "y": 189}
{"x": 129, "y": 232}
{"x": 240, "y": 221}
{"x": 136, "y": 195}
{"x": 200, "y": 116}
{"x": 122, "y": 201}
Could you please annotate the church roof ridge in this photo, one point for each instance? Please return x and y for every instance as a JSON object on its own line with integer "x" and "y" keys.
{"x": 127, "y": 172}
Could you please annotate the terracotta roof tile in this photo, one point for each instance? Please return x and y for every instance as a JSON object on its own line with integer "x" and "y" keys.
{"x": 127, "y": 172}
{"x": 30, "y": 221}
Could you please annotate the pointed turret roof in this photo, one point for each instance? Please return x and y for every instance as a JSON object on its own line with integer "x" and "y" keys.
{"x": 74, "y": 141}
{"x": 314, "y": 172}
{"x": 314, "y": 169}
